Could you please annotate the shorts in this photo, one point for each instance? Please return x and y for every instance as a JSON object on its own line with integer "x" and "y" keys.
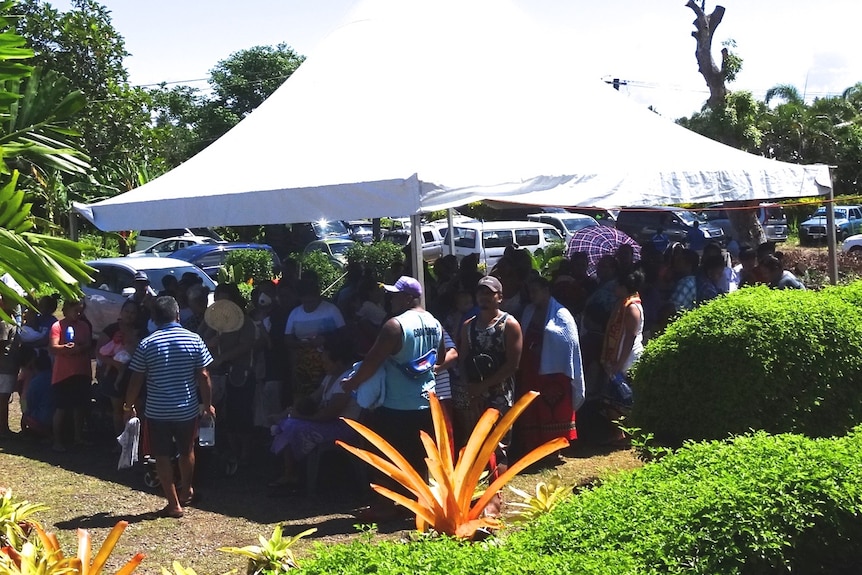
{"x": 73, "y": 392}
{"x": 168, "y": 438}
{"x": 7, "y": 383}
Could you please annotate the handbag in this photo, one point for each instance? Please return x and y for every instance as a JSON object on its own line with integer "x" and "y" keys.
{"x": 480, "y": 366}
{"x": 418, "y": 367}
{"x": 620, "y": 391}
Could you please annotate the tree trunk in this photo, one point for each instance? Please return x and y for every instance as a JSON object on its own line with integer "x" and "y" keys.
{"x": 705, "y": 28}
{"x": 746, "y": 227}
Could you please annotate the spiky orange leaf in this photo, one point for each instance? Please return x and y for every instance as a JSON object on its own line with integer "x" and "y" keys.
{"x": 84, "y": 550}
{"x": 416, "y": 485}
{"x": 491, "y": 442}
{"x": 441, "y": 433}
{"x": 518, "y": 466}
{"x": 420, "y": 510}
{"x": 107, "y": 547}
{"x": 131, "y": 565}
{"x": 390, "y": 452}
{"x": 469, "y": 458}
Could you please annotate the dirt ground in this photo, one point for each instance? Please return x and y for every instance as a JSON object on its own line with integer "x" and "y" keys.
{"x": 84, "y": 489}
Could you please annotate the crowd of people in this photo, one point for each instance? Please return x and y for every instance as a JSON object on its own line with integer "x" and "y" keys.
{"x": 294, "y": 363}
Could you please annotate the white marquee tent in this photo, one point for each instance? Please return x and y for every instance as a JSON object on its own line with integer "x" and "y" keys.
{"x": 419, "y": 105}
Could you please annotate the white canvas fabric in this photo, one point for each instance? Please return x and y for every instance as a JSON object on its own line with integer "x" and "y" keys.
{"x": 417, "y": 106}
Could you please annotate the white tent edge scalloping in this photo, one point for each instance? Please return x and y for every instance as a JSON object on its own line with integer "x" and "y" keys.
{"x": 412, "y": 196}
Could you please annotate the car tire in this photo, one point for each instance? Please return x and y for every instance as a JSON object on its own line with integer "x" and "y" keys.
{"x": 855, "y": 250}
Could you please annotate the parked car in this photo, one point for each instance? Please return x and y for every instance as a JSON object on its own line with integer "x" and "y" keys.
{"x": 641, "y": 223}
{"x": 146, "y": 238}
{"x": 114, "y": 281}
{"x": 604, "y": 216}
{"x": 211, "y": 257}
{"x": 853, "y": 244}
{"x": 361, "y": 231}
{"x": 848, "y": 222}
{"x": 432, "y": 241}
{"x": 335, "y": 250}
{"x": 566, "y": 223}
{"x": 168, "y": 246}
{"x": 770, "y": 216}
{"x": 490, "y": 239}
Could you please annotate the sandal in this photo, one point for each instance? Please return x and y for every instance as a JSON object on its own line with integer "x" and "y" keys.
{"x": 192, "y": 497}
{"x": 168, "y": 512}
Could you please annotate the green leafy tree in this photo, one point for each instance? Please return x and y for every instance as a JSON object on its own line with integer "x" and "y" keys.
{"x": 187, "y": 121}
{"x": 31, "y": 259}
{"x": 83, "y": 46}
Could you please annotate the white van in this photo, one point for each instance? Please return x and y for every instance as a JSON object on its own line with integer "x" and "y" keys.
{"x": 566, "y": 223}
{"x": 490, "y": 239}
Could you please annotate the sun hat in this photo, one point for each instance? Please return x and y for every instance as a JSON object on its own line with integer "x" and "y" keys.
{"x": 224, "y": 316}
{"x": 405, "y": 284}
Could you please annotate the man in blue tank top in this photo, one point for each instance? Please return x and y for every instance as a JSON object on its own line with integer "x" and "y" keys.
{"x": 406, "y": 348}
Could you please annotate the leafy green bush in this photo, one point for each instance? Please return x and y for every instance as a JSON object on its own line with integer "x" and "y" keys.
{"x": 378, "y": 257}
{"x": 331, "y": 278}
{"x": 758, "y": 504}
{"x": 244, "y": 265}
{"x": 781, "y": 361}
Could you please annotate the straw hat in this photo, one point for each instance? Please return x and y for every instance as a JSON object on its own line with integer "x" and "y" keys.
{"x": 224, "y": 316}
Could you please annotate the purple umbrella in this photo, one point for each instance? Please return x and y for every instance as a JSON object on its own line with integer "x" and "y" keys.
{"x": 599, "y": 241}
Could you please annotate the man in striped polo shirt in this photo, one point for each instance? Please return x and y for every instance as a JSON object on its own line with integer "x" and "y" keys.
{"x": 173, "y": 362}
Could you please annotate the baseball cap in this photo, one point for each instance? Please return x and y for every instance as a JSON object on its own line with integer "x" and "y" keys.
{"x": 141, "y": 277}
{"x": 491, "y": 283}
{"x": 405, "y": 284}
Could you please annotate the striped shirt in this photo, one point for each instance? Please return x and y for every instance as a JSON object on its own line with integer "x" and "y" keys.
{"x": 171, "y": 357}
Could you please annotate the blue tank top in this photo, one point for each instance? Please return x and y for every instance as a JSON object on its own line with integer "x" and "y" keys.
{"x": 420, "y": 333}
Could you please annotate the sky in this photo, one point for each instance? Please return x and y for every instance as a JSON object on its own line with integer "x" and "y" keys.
{"x": 811, "y": 45}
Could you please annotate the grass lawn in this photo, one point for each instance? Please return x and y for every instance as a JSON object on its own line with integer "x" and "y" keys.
{"x": 84, "y": 489}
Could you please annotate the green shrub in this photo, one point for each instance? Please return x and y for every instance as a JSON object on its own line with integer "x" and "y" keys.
{"x": 377, "y": 257}
{"x": 331, "y": 278}
{"x": 781, "y": 361}
{"x": 244, "y": 265}
{"x": 758, "y": 504}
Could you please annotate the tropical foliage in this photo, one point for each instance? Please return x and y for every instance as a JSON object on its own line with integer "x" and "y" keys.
{"x": 31, "y": 258}
{"x": 271, "y": 556}
{"x": 43, "y": 556}
{"x": 447, "y": 506}
{"x": 548, "y": 495}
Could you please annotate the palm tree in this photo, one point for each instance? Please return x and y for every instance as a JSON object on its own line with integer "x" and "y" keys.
{"x": 31, "y": 259}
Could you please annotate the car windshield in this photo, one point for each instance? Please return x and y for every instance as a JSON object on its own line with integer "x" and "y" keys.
{"x": 400, "y": 239}
{"x": 157, "y": 275}
{"x": 575, "y": 224}
{"x": 687, "y": 217}
{"x": 362, "y": 229}
{"x": 339, "y": 248}
{"x": 774, "y": 213}
{"x": 821, "y": 213}
{"x": 325, "y": 228}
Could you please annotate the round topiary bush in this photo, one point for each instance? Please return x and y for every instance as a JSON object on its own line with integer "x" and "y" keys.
{"x": 780, "y": 361}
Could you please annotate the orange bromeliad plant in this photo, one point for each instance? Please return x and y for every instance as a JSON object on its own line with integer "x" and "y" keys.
{"x": 447, "y": 505}
{"x": 31, "y": 560}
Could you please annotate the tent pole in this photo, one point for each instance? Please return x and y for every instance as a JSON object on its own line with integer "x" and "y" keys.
{"x": 830, "y": 238}
{"x": 450, "y": 235}
{"x": 416, "y": 251}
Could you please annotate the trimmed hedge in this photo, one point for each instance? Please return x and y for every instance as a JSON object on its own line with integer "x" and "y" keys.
{"x": 780, "y": 361}
{"x": 758, "y": 504}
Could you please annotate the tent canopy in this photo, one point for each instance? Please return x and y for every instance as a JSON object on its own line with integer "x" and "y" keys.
{"x": 417, "y": 106}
